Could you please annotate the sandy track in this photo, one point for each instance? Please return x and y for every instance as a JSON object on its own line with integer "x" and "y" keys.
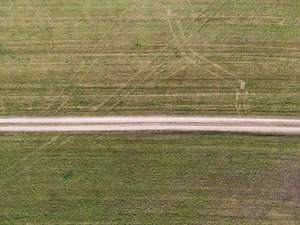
{"x": 247, "y": 129}
{"x": 82, "y": 124}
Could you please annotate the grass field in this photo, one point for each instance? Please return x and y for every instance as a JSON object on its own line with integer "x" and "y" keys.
{"x": 149, "y": 57}
{"x": 137, "y": 57}
{"x": 149, "y": 178}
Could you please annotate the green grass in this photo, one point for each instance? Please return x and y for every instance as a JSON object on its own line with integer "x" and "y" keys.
{"x": 149, "y": 178}
{"x": 141, "y": 57}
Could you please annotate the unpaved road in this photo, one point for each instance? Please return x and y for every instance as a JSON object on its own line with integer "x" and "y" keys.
{"x": 81, "y": 124}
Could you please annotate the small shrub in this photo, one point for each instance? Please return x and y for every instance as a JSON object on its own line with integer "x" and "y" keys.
{"x": 68, "y": 175}
{"x": 138, "y": 45}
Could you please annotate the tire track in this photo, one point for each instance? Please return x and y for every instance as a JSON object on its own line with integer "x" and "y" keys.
{"x": 189, "y": 27}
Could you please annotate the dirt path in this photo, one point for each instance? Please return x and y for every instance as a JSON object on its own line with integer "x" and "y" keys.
{"x": 81, "y": 124}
